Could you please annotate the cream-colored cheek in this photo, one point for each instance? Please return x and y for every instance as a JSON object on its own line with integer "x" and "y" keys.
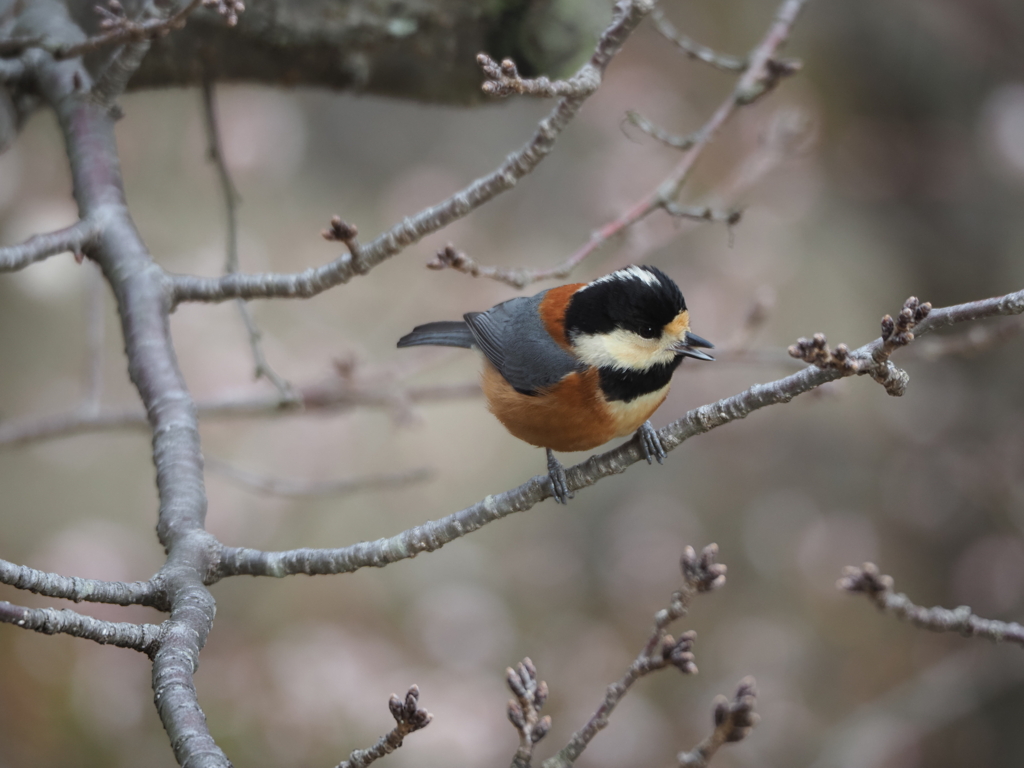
{"x": 621, "y": 349}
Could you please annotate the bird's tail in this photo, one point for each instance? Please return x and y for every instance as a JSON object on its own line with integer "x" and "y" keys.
{"x": 447, "y": 333}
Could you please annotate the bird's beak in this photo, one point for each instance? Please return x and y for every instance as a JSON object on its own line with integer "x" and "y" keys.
{"x": 686, "y": 347}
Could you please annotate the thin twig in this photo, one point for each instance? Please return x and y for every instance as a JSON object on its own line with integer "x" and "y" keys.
{"x": 681, "y": 143}
{"x": 144, "y": 638}
{"x": 758, "y": 78}
{"x": 628, "y": 14}
{"x": 329, "y": 397}
{"x": 701, "y": 574}
{"x": 128, "y": 31}
{"x": 762, "y": 74}
{"x": 879, "y": 589}
{"x": 695, "y": 50}
{"x": 291, "y": 488}
{"x": 733, "y": 722}
{"x": 215, "y": 152}
{"x": 409, "y": 717}
{"x": 978, "y": 339}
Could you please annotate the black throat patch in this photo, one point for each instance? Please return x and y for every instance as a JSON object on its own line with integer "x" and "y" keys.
{"x": 628, "y": 385}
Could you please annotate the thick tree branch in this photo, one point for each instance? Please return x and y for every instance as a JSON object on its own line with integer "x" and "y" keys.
{"x": 142, "y": 293}
{"x": 88, "y": 590}
{"x": 628, "y": 14}
{"x": 879, "y": 589}
{"x": 144, "y": 638}
{"x": 75, "y": 239}
{"x": 435, "y": 534}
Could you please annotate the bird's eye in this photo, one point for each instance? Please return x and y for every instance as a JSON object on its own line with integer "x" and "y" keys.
{"x": 649, "y": 332}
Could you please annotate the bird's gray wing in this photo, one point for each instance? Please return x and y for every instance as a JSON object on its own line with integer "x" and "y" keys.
{"x": 513, "y": 337}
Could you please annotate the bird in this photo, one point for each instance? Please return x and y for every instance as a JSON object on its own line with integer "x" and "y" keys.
{"x": 575, "y": 366}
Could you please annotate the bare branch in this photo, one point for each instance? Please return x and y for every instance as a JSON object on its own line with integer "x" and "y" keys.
{"x": 878, "y": 588}
{"x": 144, "y": 638}
{"x": 762, "y": 74}
{"x": 231, "y": 200}
{"x": 628, "y": 14}
{"x": 703, "y": 213}
{"x": 973, "y": 341}
{"x": 681, "y": 143}
{"x": 696, "y": 50}
{"x": 409, "y": 717}
{"x": 733, "y": 722}
{"x": 289, "y": 488}
{"x": 332, "y": 396}
{"x": 518, "y": 277}
{"x": 88, "y": 590}
{"x": 758, "y": 78}
{"x": 700, "y": 574}
{"x": 435, "y": 534}
{"x": 75, "y": 238}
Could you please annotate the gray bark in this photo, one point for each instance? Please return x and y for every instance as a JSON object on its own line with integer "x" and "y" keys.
{"x": 417, "y": 49}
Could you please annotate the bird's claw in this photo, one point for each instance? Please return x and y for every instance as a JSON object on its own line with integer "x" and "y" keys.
{"x": 559, "y": 485}
{"x": 650, "y": 443}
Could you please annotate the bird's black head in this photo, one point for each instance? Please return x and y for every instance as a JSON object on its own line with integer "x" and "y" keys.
{"x": 642, "y": 300}
{"x": 634, "y": 319}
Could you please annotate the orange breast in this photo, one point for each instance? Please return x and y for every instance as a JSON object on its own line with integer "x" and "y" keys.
{"x": 571, "y": 416}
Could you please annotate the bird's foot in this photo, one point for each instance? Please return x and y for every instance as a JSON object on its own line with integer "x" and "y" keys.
{"x": 650, "y": 443}
{"x": 559, "y": 485}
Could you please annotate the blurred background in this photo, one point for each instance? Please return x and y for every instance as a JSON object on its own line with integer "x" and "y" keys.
{"x": 893, "y": 165}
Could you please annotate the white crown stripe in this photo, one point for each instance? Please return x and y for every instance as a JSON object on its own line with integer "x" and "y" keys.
{"x": 630, "y": 273}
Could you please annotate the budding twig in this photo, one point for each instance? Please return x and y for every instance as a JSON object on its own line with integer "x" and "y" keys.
{"x": 734, "y": 720}
{"x": 879, "y": 589}
{"x": 524, "y": 709}
{"x": 895, "y": 334}
{"x": 409, "y": 717}
{"x": 700, "y": 574}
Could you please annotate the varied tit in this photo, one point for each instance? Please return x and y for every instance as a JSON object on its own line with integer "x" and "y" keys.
{"x": 578, "y": 365}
